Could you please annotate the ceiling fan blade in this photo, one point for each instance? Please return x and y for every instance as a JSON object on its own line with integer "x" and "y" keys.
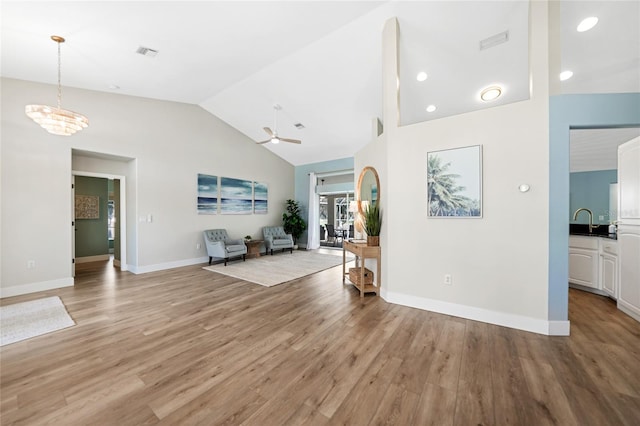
{"x": 267, "y": 141}
{"x": 290, "y": 140}
{"x": 268, "y": 130}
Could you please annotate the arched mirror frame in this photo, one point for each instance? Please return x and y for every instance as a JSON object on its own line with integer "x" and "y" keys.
{"x": 359, "y": 187}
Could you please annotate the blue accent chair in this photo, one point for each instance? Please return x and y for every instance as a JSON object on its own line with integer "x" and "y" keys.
{"x": 219, "y": 245}
{"x": 276, "y": 238}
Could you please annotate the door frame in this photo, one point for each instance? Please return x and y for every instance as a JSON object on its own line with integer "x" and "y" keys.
{"x": 122, "y": 216}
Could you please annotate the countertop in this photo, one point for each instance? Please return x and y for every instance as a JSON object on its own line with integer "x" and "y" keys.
{"x": 582, "y": 230}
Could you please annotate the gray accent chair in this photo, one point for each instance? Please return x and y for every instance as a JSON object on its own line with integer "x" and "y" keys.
{"x": 276, "y": 238}
{"x": 219, "y": 245}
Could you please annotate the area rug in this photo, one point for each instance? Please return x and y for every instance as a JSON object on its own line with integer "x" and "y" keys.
{"x": 22, "y": 321}
{"x": 281, "y": 267}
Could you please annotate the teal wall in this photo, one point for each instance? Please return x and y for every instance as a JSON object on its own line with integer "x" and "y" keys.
{"x": 302, "y": 182}
{"x": 567, "y": 112}
{"x": 591, "y": 190}
{"x": 91, "y": 234}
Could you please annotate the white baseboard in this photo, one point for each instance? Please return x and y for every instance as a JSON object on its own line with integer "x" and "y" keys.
{"x": 534, "y": 325}
{"x": 629, "y": 309}
{"x": 588, "y": 289}
{"x": 559, "y": 328}
{"x": 168, "y": 265}
{"x": 96, "y": 258}
{"x": 18, "y": 290}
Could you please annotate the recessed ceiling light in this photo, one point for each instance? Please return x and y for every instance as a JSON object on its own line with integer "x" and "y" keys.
{"x": 491, "y": 93}
{"x": 422, "y": 76}
{"x": 587, "y": 24}
{"x": 114, "y": 87}
{"x": 566, "y": 75}
{"x": 431, "y": 108}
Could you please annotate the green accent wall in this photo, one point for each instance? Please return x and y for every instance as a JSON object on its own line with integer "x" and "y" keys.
{"x": 591, "y": 190}
{"x": 91, "y": 234}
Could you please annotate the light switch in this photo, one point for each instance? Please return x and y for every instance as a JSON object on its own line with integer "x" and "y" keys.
{"x": 149, "y": 218}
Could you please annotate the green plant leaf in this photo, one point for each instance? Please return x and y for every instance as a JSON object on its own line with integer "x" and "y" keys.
{"x": 293, "y": 223}
{"x": 373, "y": 220}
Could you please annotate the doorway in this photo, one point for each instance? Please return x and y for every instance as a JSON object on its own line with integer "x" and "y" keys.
{"x": 94, "y": 233}
{"x": 336, "y": 217}
{"x": 568, "y": 112}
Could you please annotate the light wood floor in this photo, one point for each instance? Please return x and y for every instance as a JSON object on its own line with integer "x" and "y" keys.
{"x": 188, "y": 346}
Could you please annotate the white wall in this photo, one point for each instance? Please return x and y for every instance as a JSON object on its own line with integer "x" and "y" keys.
{"x": 170, "y": 142}
{"x": 499, "y": 263}
{"x": 374, "y": 155}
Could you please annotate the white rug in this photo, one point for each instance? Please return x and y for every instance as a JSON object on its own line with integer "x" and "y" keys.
{"x": 270, "y": 270}
{"x": 22, "y": 321}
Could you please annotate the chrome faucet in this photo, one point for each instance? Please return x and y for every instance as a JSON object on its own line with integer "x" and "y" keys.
{"x": 591, "y": 225}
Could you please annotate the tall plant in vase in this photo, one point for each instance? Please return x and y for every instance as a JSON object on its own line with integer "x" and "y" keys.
{"x": 372, "y": 224}
{"x": 293, "y": 223}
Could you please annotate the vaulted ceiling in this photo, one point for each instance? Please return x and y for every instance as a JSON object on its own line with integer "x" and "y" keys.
{"x": 319, "y": 60}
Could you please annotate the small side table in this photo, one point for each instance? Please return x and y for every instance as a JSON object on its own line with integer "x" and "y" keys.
{"x": 362, "y": 252}
{"x": 253, "y": 248}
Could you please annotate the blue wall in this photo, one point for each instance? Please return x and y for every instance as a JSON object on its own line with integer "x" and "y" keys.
{"x": 591, "y": 190}
{"x": 567, "y": 112}
{"x": 302, "y": 182}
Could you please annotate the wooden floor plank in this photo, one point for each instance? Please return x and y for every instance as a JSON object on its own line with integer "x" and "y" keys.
{"x": 444, "y": 369}
{"x": 362, "y": 402}
{"x": 553, "y": 406}
{"x": 398, "y": 407}
{"x": 436, "y": 407}
{"x": 513, "y": 405}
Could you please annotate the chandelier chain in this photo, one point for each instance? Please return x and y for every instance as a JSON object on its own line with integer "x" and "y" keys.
{"x": 59, "y": 79}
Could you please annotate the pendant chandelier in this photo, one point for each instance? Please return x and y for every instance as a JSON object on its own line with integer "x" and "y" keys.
{"x": 55, "y": 119}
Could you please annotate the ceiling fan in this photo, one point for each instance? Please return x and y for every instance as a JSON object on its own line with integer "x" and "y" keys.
{"x": 273, "y": 135}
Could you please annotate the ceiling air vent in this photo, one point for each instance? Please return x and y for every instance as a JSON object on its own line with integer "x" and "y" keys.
{"x": 494, "y": 40}
{"x": 299, "y": 126}
{"x": 146, "y": 51}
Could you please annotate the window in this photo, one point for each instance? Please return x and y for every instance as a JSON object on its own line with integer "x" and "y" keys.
{"x": 343, "y": 217}
{"x": 111, "y": 219}
{"x": 324, "y": 210}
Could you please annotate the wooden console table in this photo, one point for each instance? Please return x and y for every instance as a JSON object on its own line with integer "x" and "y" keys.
{"x": 253, "y": 248}
{"x": 362, "y": 252}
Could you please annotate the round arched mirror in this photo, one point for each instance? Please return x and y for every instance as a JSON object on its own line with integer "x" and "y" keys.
{"x": 368, "y": 191}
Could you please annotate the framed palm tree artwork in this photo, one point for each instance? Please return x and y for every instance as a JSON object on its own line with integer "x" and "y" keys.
{"x": 454, "y": 183}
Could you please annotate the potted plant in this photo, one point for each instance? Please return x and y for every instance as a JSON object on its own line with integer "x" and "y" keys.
{"x": 247, "y": 238}
{"x": 293, "y": 223}
{"x": 372, "y": 224}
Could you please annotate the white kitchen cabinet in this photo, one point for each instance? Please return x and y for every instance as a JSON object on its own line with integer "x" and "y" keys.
{"x": 609, "y": 267}
{"x": 629, "y": 292}
{"x": 583, "y": 261}
{"x": 629, "y": 182}
{"x": 629, "y": 227}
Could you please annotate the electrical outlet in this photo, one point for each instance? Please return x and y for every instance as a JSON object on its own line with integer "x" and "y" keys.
{"x": 31, "y": 264}
{"x": 197, "y": 246}
{"x": 447, "y": 279}
{"x": 601, "y": 217}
